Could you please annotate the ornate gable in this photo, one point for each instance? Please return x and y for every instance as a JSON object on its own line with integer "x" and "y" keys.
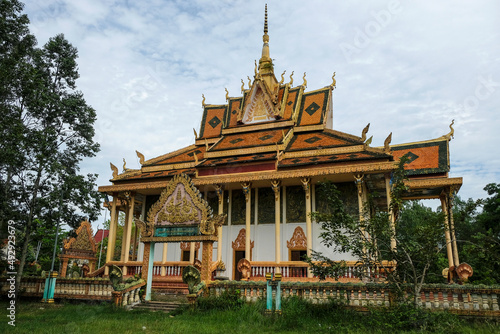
{"x": 84, "y": 242}
{"x": 259, "y": 106}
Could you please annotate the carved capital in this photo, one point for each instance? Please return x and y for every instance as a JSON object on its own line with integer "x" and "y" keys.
{"x": 306, "y": 184}
{"x": 359, "y": 182}
{"x": 246, "y": 190}
{"x": 220, "y": 192}
{"x": 275, "y": 184}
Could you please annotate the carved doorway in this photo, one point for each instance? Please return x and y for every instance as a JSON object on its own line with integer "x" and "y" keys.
{"x": 239, "y": 252}
{"x": 297, "y": 249}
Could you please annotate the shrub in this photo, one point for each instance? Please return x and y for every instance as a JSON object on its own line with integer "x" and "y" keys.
{"x": 229, "y": 299}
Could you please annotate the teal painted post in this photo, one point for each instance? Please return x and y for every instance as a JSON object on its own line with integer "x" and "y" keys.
{"x": 269, "y": 296}
{"x": 150, "y": 271}
{"x": 46, "y": 289}
{"x": 278, "y": 297}
{"x": 52, "y": 289}
{"x": 269, "y": 299}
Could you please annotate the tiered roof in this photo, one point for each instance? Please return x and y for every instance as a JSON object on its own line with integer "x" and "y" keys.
{"x": 275, "y": 130}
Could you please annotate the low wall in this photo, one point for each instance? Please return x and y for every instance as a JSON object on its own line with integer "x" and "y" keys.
{"x": 66, "y": 288}
{"x": 473, "y": 300}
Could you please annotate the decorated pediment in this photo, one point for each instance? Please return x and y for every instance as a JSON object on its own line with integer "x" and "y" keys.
{"x": 260, "y": 105}
{"x": 83, "y": 243}
{"x": 180, "y": 212}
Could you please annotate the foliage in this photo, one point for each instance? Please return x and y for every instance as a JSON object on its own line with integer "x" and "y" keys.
{"x": 228, "y": 299}
{"x": 418, "y": 237}
{"x": 250, "y": 318}
{"x": 46, "y": 131}
{"x": 408, "y": 317}
{"x": 478, "y": 234}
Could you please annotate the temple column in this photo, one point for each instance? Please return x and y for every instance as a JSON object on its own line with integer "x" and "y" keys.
{"x": 191, "y": 252}
{"x": 134, "y": 243}
{"x": 206, "y": 263}
{"x": 110, "y": 253}
{"x": 127, "y": 232}
{"x": 306, "y": 184}
{"x": 147, "y": 267}
{"x": 361, "y": 205}
{"x": 220, "y": 195}
{"x": 389, "y": 210}
{"x": 452, "y": 230}
{"x": 248, "y": 200}
{"x": 164, "y": 259}
{"x": 277, "y": 235}
{"x": 449, "y": 251}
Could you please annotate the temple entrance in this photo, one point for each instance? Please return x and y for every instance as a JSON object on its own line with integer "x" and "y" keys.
{"x": 238, "y": 255}
{"x": 180, "y": 215}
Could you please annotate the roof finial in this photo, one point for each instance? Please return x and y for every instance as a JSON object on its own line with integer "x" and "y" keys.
{"x": 265, "y": 59}
{"x": 265, "y": 21}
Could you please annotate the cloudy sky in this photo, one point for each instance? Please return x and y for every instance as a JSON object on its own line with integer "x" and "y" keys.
{"x": 405, "y": 67}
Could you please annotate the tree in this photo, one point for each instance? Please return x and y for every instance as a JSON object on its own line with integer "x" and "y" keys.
{"x": 48, "y": 131}
{"x": 419, "y": 235}
{"x": 479, "y": 235}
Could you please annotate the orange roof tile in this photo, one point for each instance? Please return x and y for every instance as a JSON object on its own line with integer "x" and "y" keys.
{"x": 313, "y": 107}
{"x": 424, "y": 158}
{"x": 249, "y": 139}
{"x": 320, "y": 139}
{"x": 211, "y": 124}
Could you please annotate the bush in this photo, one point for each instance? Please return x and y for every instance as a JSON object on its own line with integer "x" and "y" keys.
{"x": 229, "y": 299}
{"x": 409, "y": 317}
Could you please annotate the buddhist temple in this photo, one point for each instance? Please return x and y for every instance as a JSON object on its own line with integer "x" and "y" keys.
{"x": 257, "y": 161}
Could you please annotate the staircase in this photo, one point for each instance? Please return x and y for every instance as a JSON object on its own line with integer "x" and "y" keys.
{"x": 157, "y": 306}
{"x": 162, "y": 302}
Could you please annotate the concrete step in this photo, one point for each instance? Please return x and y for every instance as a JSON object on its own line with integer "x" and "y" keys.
{"x": 157, "y": 306}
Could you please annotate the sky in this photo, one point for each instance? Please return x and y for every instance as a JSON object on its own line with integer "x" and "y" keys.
{"x": 409, "y": 68}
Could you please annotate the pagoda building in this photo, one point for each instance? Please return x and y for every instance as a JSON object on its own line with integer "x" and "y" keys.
{"x": 259, "y": 159}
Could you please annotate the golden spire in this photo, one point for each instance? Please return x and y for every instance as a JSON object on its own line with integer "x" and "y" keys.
{"x": 265, "y": 62}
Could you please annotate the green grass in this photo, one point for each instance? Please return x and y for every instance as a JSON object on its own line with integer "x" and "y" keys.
{"x": 298, "y": 317}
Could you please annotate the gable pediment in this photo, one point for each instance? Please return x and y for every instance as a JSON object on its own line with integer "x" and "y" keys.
{"x": 259, "y": 105}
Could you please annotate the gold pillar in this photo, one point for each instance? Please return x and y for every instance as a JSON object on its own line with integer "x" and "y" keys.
{"x": 128, "y": 228}
{"x": 449, "y": 251}
{"x": 145, "y": 261}
{"x": 127, "y": 232}
{"x": 361, "y": 204}
{"x": 277, "y": 234}
{"x": 110, "y": 252}
{"x": 452, "y": 230}
{"x": 306, "y": 184}
{"x": 164, "y": 259}
{"x": 248, "y": 200}
{"x": 191, "y": 252}
{"x": 206, "y": 262}
{"x": 220, "y": 195}
{"x": 389, "y": 210}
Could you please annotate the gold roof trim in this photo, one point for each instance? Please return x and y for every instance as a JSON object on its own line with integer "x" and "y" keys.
{"x": 418, "y": 142}
{"x": 324, "y": 151}
{"x": 127, "y": 173}
{"x": 169, "y": 167}
{"x": 255, "y": 176}
{"x": 169, "y": 155}
{"x": 435, "y": 182}
{"x": 306, "y": 128}
{"x": 243, "y": 151}
{"x": 201, "y": 142}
